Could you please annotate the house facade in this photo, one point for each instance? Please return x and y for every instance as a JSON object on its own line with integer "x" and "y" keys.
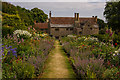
{"x": 63, "y": 26}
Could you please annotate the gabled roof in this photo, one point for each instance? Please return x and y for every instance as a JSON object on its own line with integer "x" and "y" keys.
{"x": 62, "y": 20}
{"x": 70, "y": 20}
{"x": 87, "y": 20}
{"x": 41, "y": 25}
{"x": 61, "y": 25}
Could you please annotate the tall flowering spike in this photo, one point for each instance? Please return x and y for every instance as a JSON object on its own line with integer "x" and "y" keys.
{"x": 8, "y": 36}
{"x": 19, "y": 42}
{"x": 10, "y": 47}
{"x": 111, "y": 33}
{"x": 22, "y": 40}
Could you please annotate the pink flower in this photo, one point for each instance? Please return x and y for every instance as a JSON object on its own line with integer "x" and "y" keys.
{"x": 19, "y": 42}
{"x": 28, "y": 28}
{"x": 34, "y": 29}
{"x": 106, "y": 31}
{"x": 112, "y": 45}
{"x": 37, "y": 38}
{"x": 22, "y": 40}
{"x": 111, "y": 34}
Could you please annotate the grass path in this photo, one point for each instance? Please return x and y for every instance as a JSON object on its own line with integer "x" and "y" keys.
{"x": 57, "y": 65}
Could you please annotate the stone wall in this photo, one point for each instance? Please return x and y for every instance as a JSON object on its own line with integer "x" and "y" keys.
{"x": 60, "y": 31}
{"x": 90, "y": 30}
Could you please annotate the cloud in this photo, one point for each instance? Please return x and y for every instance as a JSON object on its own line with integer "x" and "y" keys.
{"x": 55, "y": 0}
{"x": 86, "y": 9}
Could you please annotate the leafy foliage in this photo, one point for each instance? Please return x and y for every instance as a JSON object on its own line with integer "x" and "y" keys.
{"x": 13, "y": 20}
{"x": 38, "y": 15}
{"x": 112, "y": 14}
{"x": 101, "y": 23}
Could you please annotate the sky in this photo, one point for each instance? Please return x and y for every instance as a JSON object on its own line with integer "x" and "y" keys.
{"x": 56, "y": 0}
{"x": 65, "y": 8}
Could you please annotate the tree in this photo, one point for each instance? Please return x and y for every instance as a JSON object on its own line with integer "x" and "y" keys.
{"x": 101, "y": 23}
{"x": 13, "y": 20}
{"x": 39, "y": 15}
{"x": 112, "y": 15}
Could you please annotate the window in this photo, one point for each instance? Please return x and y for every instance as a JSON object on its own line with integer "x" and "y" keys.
{"x": 82, "y": 24}
{"x": 67, "y": 29}
{"x": 57, "y": 29}
{"x": 51, "y": 35}
{"x": 41, "y": 29}
{"x": 91, "y": 28}
{"x": 71, "y": 29}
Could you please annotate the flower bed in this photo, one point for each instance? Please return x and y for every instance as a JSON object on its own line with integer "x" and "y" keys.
{"x": 24, "y": 54}
{"x": 92, "y": 58}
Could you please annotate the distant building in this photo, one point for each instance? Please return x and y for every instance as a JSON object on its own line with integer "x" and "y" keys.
{"x": 63, "y": 26}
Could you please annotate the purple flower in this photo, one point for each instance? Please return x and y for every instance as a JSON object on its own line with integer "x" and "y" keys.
{"x": 3, "y": 54}
{"x": 10, "y": 47}
{"x": 111, "y": 34}
{"x": 1, "y": 44}
{"x": 15, "y": 48}
{"x": 106, "y": 31}
{"x": 14, "y": 52}
{"x": 8, "y": 53}
{"x": 5, "y": 45}
{"x": 2, "y": 48}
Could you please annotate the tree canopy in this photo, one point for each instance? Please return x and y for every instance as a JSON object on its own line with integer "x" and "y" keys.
{"x": 101, "y": 23}
{"x": 112, "y": 15}
{"x": 27, "y": 16}
{"x": 15, "y": 17}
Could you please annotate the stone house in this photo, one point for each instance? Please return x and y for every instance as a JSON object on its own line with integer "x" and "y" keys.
{"x": 63, "y": 26}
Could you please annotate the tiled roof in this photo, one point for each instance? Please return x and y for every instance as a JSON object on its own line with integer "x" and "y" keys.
{"x": 70, "y": 20}
{"x": 62, "y": 20}
{"x": 41, "y": 25}
{"x": 87, "y": 20}
{"x": 61, "y": 25}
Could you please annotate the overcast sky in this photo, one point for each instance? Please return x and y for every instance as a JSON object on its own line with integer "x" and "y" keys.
{"x": 86, "y": 8}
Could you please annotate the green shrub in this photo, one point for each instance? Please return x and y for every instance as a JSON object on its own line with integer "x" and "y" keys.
{"x": 6, "y": 71}
{"x": 111, "y": 73}
{"x": 102, "y": 31}
{"x": 116, "y": 38}
{"x": 7, "y": 30}
{"x": 13, "y": 20}
{"x": 23, "y": 69}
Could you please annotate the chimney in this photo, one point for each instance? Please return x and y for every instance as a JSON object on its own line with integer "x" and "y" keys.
{"x": 50, "y": 14}
{"x": 95, "y": 18}
{"x": 77, "y": 16}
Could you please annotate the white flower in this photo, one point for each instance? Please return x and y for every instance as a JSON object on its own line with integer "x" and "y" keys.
{"x": 22, "y": 32}
{"x": 116, "y": 51}
{"x": 113, "y": 54}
